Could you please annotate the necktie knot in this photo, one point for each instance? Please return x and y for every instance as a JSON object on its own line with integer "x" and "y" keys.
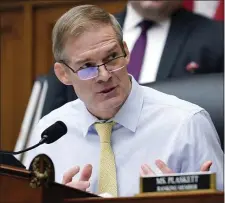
{"x": 145, "y": 25}
{"x": 104, "y": 131}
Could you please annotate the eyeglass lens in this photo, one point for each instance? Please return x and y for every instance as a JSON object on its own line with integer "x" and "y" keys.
{"x": 88, "y": 73}
{"x": 91, "y": 72}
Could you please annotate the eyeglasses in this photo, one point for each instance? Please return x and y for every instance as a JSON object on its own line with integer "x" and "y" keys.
{"x": 91, "y": 72}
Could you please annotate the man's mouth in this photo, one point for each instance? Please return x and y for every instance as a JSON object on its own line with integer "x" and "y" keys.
{"x": 107, "y": 90}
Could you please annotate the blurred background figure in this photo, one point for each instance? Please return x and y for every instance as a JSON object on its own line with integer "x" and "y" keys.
{"x": 173, "y": 42}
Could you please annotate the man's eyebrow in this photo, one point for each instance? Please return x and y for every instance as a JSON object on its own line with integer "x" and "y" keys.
{"x": 79, "y": 61}
{"x": 112, "y": 48}
{"x": 82, "y": 60}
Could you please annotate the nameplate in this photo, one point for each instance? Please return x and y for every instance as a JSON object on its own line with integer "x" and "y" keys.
{"x": 178, "y": 182}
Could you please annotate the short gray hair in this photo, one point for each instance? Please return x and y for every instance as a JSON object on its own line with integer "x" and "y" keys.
{"x": 77, "y": 20}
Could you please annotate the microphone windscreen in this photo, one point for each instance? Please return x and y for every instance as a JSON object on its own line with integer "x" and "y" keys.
{"x": 54, "y": 132}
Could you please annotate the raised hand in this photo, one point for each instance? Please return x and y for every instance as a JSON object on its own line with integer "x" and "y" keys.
{"x": 84, "y": 181}
{"x": 146, "y": 169}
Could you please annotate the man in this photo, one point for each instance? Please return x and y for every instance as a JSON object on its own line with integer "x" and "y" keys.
{"x": 178, "y": 43}
{"x": 118, "y": 128}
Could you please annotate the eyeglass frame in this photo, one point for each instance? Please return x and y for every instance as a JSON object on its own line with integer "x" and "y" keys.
{"x": 97, "y": 66}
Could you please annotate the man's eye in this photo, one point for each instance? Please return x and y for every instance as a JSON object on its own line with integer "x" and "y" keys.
{"x": 112, "y": 56}
{"x": 86, "y": 65}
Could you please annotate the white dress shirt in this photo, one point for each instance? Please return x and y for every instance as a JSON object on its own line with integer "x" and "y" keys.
{"x": 156, "y": 39}
{"x": 150, "y": 125}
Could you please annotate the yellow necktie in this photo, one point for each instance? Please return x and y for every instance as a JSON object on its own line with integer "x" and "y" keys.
{"x": 107, "y": 168}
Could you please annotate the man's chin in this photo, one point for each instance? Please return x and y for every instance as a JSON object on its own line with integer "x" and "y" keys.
{"x": 110, "y": 104}
{"x": 151, "y": 4}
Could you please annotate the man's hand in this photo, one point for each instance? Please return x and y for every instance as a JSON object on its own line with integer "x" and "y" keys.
{"x": 83, "y": 183}
{"x": 146, "y": 170}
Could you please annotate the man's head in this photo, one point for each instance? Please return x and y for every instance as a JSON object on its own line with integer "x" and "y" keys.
{"x": 156, "y": 10}
{"x": 84, "y": 39}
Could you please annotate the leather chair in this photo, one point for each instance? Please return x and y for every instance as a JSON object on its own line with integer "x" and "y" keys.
{"x": 32, "y": 114}
{"x": 57, "y": 94}
{"x": 204, "y": 90}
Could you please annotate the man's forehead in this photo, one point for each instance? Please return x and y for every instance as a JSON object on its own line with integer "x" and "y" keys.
{"x": 100, "y": 49}
{"x": 101, "y": 38}
{"x": 103, "y": 47}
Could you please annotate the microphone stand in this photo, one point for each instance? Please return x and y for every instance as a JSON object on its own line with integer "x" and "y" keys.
{"x": 42, "y": 141}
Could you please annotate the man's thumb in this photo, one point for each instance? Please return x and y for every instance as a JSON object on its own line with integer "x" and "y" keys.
{"x": 206, "y": 166}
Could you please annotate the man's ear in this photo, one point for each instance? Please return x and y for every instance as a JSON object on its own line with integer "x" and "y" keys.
{"x": 126, "y": 51}
{"x": 62, "y": 74}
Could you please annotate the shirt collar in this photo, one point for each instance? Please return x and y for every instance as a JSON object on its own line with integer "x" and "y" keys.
{"x": 131, "y": 106}
{"x": 132, "y": 19}
{"x": 86, "y": 119}
{"x": 129, "y": 114}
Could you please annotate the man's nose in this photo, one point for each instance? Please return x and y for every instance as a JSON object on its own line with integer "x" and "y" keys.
{"x": 103, "y": 74}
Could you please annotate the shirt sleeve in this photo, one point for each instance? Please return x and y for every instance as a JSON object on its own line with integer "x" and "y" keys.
{"x": 201, "y": 144}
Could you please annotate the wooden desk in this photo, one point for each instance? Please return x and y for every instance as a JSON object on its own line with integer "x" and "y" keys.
{"x": 15, "y": 188}
{"x": 181, "y": 197}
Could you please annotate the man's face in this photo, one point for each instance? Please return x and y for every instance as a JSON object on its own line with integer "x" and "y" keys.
{"x": 107, "y": 91}
{"x": 153, "y": 10}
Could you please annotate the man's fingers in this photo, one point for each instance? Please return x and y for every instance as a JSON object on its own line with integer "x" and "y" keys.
{"x": 86, "y": 173}
{"x": 81, "y": 185}
{"x": 141, "y": 173}
{"x": 206, "y": 166}
{"x": 162, "y": 166}
{"x": 146, "y": 170}
{"x": 68, "y": 176}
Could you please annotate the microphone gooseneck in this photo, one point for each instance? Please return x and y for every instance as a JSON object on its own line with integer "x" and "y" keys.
{"x": 49, "y": 135}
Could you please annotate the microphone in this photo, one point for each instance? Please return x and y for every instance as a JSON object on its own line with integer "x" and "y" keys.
{"x": 48, "y": 136}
